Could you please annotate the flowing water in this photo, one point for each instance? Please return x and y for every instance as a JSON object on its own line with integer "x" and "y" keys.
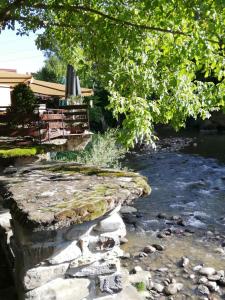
{"x": 188, "y": 185}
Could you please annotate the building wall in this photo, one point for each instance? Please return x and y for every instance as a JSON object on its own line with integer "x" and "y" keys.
{"x": 5, "y": 98}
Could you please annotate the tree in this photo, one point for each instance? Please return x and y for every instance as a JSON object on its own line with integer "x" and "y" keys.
{"x": 23, "y": 104}
{"x": 145, "y": 53}
{"x": 54, "y": 70}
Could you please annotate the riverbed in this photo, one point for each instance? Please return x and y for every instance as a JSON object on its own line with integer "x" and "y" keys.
{"x": 185, "y": 212}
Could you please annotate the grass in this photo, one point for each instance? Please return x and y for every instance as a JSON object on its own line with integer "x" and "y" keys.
{"x": 103, "y": 151}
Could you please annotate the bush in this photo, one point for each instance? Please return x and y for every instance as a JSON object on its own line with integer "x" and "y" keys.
{"x": 23, "y": 104}
{"x": 103, "y": 151}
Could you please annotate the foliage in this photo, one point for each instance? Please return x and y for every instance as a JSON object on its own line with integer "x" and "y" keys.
{"x": 54, "y": 70}
{"x": 23, "y": 102}
{"x": 100, "y": 117}
{"x": 140, "y": 286}
{"x": 145, "y": 53}
{"x": 103, "y": 151}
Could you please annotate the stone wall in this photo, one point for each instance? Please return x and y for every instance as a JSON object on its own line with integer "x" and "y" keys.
{"x": 81, "y": 259}
{"x": 67, "y": 231}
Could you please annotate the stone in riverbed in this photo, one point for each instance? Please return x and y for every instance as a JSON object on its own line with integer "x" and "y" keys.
{"x": 184, "y": 262}
{"x": 173, "y": 288}
{"x": 149, "y": 249}
{"x": 158, "y": 247}
{"x": 212, "y": 286}
{"x": 158, "y": 287}
{"x": 207, "y": 271}
{"x": 203, "y": 280}
{"x": 203, "y": 290}
{"x": 128, "y": 209}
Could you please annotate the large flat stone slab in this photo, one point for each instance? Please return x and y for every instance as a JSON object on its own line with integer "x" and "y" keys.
{"x": 56, "y": 195}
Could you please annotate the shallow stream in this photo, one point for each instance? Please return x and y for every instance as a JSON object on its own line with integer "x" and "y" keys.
{"x": 188, "y": 200}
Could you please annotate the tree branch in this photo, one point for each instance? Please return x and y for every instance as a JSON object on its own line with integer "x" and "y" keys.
{"x": 78, "y": 8}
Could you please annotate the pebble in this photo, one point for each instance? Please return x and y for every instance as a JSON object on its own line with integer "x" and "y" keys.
{"x": 202, "y": 280}
{"x": 162, "y": 216}
{"x": 202, "y": 289}
{"x": 221, "y": 281}
{"x": 212, "y": 285}
{"x": 220, "y": 250}
{"x": 142, "y": 254}
{"x": 197, "y": 268}
{"x": 162, "y": 270}
{"x": 184, "y": 261}
{"x": 161, "y": 235}
{"x": 214, "y": 277}
{"x": 158, "y": 247}
{"x": 221, "y": 273}
{"x": 180, "y": 222}
{"x": 207, "y": 271}
{"x": 149, "y": 249}
{"x": 158, "y": 287}
{"x": 173, "y": 288}
{"x": 126, "y": 209}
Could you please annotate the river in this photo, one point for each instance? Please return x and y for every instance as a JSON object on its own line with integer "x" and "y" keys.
{"x": 187, "y": 203}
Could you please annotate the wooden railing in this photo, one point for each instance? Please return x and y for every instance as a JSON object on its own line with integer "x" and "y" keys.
{"x": 55, "y": 123}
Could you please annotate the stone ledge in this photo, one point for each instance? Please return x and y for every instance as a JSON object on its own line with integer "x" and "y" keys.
{"x": 54, "y": 196}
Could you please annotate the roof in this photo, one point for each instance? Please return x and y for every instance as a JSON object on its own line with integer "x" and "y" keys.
{"x": 39, "y": 87}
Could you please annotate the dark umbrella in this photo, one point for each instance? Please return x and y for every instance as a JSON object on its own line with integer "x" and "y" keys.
{"x": 72, "y": 83}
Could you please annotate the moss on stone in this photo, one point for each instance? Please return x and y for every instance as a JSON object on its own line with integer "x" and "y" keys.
{"x": 18, "y": 152}
{"x": 90, "y": 170}
{"x": 110, "y": 173}
{"x": 86, "y": 205}
{"x": 142, "y": 182}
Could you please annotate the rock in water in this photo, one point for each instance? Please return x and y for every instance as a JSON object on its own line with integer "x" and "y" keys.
{"x": 184, "y": 261}
{"x": 203, "y": 290}
{"x": 149, "y": 249}
{"x": 173, "y": 288}
{"x": 207, "y": 271}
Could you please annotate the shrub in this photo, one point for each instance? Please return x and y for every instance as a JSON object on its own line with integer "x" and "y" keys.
{"x": 23, "y": 104}
{"x": 103, "y": 151}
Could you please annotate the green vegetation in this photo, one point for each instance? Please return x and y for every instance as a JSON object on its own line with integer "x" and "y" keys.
{"x": 160, "y": 61}
{"x": 140, "y": 286}
{"x": 22, "y": 106}
{"x": 16, "y": 152}
{"x": 54, "y": 70}
{"x": 103, "y": 151}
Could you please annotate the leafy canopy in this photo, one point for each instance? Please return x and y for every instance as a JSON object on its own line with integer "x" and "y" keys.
{"x": 148, "y": 54}
{"x": 54, "y": 70}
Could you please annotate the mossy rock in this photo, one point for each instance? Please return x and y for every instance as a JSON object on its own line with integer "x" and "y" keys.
{"x": 53, "y": 196}
{"x": 19, "y": 152}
